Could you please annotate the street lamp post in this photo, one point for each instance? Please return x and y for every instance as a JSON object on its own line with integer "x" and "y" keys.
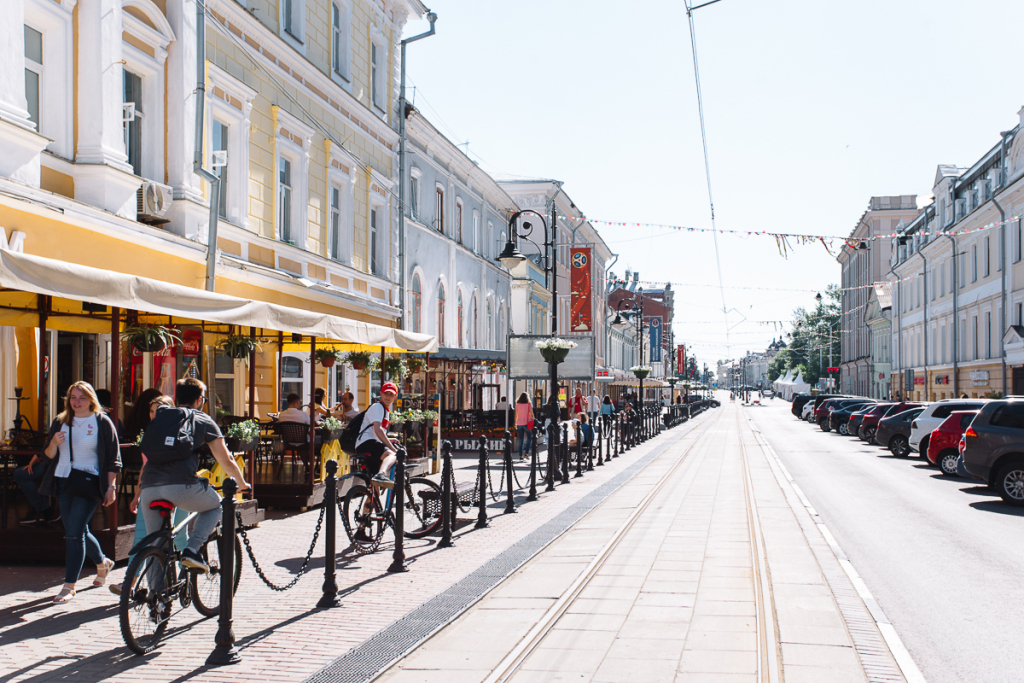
{"x": 510, "y": 257}
{"x": 634, "y": 309}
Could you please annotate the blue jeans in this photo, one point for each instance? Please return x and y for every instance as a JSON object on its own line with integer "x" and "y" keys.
{"x": 180, "y": 541}
{"x": 198, "y": 497}
{"x": 76, "y": 512}
{"x": 527, "y": 439}
{"x": 28, "y": 479}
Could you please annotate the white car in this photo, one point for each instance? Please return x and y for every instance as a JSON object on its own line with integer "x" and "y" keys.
{"x": 807, "y": 411}
{"x": 923, "y": 425}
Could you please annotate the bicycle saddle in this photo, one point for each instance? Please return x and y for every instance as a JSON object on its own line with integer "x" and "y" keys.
{"x": 164, "y": 507}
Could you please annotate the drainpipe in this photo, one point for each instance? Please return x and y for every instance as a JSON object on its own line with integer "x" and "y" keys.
{"x": 899, "y": 312}
{"x": 197, "y": 160}
{"x": 956, "y": 319}
{"x": 924, "y": 320}
{"x": 431, "y": 17}
{"x": 1002, "y": 279}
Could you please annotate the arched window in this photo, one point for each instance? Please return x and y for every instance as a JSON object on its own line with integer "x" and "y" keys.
{"x": 458, "y": 321}
{"x": 458, "y": 221}
{"x": 440, "y": 314}
{"x": 417, "y": 301}
{"x": 473, "y": 336}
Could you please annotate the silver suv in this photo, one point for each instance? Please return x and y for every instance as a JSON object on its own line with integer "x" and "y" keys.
{"x": 994, "y": 449}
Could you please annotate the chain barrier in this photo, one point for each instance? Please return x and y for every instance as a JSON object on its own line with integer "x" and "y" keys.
{"x": 256, "y": 565}
{"x": 457, "y": 498}
{"x": 490, "y": 482}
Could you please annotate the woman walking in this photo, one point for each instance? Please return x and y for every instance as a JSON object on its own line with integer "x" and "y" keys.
{"x": 84, "y": 459}
{"x": 524, "y": 423}
{"x": 607, "y": 409}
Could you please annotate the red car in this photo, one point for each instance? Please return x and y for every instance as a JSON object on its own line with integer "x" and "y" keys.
{"x": 943, "y": 445}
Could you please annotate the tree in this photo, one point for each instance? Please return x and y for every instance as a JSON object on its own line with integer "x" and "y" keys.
{"x": 815, "y": 333}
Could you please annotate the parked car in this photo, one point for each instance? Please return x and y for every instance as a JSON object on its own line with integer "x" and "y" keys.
{"x": 933, "y": 416}
{"x": 894, "y": 431}
{"x": 857, "y": 418}
{"x": 994, "y": 449}
{"x": 839, "y": 417}
{"x": 799, "y": 401}
{"x": 823, "y": 415}
{"x": 870, "y": 422}
{"x": 807, "y": 412}
{"x": 942, "y": 445}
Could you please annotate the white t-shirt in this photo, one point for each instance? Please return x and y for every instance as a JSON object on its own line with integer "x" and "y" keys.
{"x": 293, "y": 415}
{"x": 595, "y": 404}
{"x": 85, "y": 437}
{"x": 375, "y": 413}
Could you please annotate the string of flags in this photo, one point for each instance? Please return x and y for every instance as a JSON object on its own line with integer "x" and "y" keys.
{"x": 662, "y": 283}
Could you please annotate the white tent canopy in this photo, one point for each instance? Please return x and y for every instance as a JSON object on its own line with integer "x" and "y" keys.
{"x": 789, "y": 386}
{"x": 55, "y": 278}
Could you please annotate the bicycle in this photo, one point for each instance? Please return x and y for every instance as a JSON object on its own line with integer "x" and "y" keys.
{"x": 153, "y": 581}
{"x": 364, "y": 511}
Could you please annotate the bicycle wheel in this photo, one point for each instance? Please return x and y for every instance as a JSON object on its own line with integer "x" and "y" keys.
{"x": 363, "y": 517}
{"x": 422, "y": 508}
{"x": 206, "y": 587}
{"x": 145, "y": 604}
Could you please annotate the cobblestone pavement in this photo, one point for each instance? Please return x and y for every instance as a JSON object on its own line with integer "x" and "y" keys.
{"x": 281, "y": 636}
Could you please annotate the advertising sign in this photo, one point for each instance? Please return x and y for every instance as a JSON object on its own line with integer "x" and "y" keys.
{"x": 681, "y": 358}
{"x": 655, "y": 324}
{"x": 525, "y": 361}
{"x": 581, "y": 317}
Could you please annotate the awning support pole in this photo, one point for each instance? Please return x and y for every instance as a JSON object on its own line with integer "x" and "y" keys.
{"x": 252, "y": 410}
{"x": 44, "y": 352}
{"x": 312, "y": 406}
{"x": 115, "y": 383}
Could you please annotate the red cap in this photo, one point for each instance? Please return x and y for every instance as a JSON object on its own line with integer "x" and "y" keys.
{"x": 389, "y": 386}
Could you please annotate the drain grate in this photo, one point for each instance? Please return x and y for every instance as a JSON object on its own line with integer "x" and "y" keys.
{"x": 379, "y": 651}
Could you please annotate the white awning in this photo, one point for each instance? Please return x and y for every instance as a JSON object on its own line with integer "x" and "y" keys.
{"x": 40, "y": 275}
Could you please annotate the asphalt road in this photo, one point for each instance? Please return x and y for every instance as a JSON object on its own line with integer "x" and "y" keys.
{"x": 944, "y": 557}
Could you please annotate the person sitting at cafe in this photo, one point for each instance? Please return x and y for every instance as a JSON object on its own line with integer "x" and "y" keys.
{"x": 294, "y": 411}
{"x": 319, "y": 410}
{"x": 346, "y": 410}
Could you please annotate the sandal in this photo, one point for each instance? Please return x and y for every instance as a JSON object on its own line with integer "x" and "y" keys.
{"x": 65, "y": 595}
{"x": 102, "y": 570}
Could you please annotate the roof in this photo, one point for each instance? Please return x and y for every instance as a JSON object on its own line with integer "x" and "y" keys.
{"x": 883, "y": 290}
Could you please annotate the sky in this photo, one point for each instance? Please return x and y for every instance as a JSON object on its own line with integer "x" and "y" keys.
{"x": 811, "y": 108}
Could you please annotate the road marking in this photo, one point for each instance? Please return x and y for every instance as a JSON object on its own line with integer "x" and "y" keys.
{"x": 896, "y": 647}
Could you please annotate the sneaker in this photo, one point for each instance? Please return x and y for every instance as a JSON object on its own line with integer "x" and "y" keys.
{"x": 51, "y": 515}
{"x": 193, "y": 560}
{"x": 360, "y": 536}
{"x": 31, "y": 518}
{"x": 381, "y": 480}
{"x": 115, "y": 588}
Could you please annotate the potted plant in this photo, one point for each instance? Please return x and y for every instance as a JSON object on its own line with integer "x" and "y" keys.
{"x": 358, "y": 359}
{"x": 150, "y": 338}
{"x": 331, "y": 429}
{"x": 328, "y": 357}
{"x": 395, "y": 368}
{"x": 641, "y": 371}
{"x": 555, "y": 350}
{"x": 238, "y": 346}
{"x": 414, "y": 364}
{"x": 242, "y": 436}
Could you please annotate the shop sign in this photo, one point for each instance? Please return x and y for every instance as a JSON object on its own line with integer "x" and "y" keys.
{"x": 942, "y": 379}
{"x": 918, "y": 380}
{"x": 979, "y": 375}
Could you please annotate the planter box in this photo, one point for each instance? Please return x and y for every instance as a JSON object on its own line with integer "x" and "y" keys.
{"x": 236, "y": 445}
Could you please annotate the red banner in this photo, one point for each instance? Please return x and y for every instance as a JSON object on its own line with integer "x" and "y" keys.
{"x": 680, "y": 358}
{"x": 581, "y": 315}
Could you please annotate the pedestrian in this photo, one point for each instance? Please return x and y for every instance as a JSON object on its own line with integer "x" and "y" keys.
{"x": 524, "y": 423}
{"x": 84, "y": 459}
{"x": 578, "y": 404}
{"x": 138, "y": 418}
{"x": 586, "y": 430}
{"x": 964, "y": 395}
{"x": 594, "y": 406}
{"x": 607, "y": 409}
{"x": 28, "y": 478}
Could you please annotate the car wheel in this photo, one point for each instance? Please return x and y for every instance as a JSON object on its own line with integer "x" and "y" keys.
{"x": 923, "y": 450}
{"x": 825, "y": 426}
{"x": 869, "y": 434}
{"x": 947, "y": 461}
{"x": 899, "y": 446}
{"x": 1010, "y": 483}
{"x": 844, "y": 428}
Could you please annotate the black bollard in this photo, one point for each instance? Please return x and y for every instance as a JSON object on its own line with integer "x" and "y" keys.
{"x": 533, "y": 462}
{"x": 579, "y": 452}
{"x": 224, "y": 652}
{"x": 398, "y": 557}
{"x": 552, "y": 462}
{"x": 446, "y": 495}
{"x": 599, "y": 437}
{"x": 565, "y": 453}
{"x": 330, "y": 596}
{"x": 481, "y": 473}
{"x": 510, "y": 503}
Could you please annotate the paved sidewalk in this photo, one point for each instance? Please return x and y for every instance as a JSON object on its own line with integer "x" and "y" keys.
{"x": 723, "y": 577}
{"x": 281, "y": 637}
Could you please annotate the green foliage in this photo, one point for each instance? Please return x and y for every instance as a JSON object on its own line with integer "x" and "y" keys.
{"x": 238, "y": 346}
{"x": 331, "y": 423}
{"x": 243, "y": 431}
{"x": 809, "y": 342}
{"x": 150, "y": 338}
{"x": 325, "y": 353}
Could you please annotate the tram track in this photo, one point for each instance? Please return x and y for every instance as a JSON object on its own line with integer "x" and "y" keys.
{"x": 512, "y": 662}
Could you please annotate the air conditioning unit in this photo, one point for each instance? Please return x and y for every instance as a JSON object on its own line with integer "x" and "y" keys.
{"x": 154, "y": 202}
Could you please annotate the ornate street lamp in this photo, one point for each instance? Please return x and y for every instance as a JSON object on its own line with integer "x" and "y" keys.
{"x": 634, "y": 312}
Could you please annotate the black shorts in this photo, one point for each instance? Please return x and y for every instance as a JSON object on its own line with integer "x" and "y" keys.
{"x": 372, "y": 452}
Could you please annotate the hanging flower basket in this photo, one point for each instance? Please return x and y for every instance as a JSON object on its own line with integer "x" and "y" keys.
{"x": 328, "y": 357}
{"x": 151, "y": 338}
{"x": 358, "y": 359}
{"x": 415, "y": 364}
{"x": 238, "y": 346}
{"x": 555, "y": 350}
{"x": 641, "y": 371}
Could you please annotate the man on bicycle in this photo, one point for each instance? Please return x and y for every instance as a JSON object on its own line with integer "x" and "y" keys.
{"x": 177, "y": 481}
{"x": 377, "y": 450}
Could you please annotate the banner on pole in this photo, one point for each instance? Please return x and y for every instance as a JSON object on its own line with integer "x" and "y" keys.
{"x": 581, "y": 318}
{"x": 655, "y": 340}
{"x": 681, "y": 359}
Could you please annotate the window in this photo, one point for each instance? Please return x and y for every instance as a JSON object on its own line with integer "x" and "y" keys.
{"x": 988, "y": 256}
{"x": 963, "y": 339}
{"x": 224, "y": 382}
{"x": 33, "y": 71}
{"x": 374, "y": 243}
{"x": 1009, "y": 416}
{"x": 476, "y": 232}
{"x": 440, "y": 314}
{"x": 291, "y": 378}
{"x": 378, "y": 74}
{"x": 963, "y": 269}
{"x": 284, "y": 200}
{"x": 458, "y": 221}
{"x": 459, "y": 321}
{"x": 988, "y": 335}
{"x": 933, "y": 278}
{"x": 133, "y": 120}
{"x": 1020, "y": 314}
{"x": 417, "y": 303}
{"x": 490, "y": 237}
{"x": 415, "y": 191}
{"x": 340, "y": 25}
{"x": 334, "y": 236}
{"x": 291, "y": 18}
{"x": 974, "y": 263}
{"x": 474, "y": 338}
{"x": 490, "y": 323}
{"x": 974, "y": 337}
{"x": 219, "y": 143}
{"x": 1015, "y": 235}
{"x": 439, "y": 209}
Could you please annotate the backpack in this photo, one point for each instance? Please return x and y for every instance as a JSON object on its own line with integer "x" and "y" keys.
{"x": 349, "y": 435}
{"x": 170, "y": 436}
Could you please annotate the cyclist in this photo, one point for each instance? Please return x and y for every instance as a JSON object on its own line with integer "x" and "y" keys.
{"x": 176, "y": 480}
{"x": 377, "y": 450}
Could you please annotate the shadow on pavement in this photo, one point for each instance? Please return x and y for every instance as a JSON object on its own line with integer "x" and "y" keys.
{"x": 110, "y": 662}
{"x": 61, "y": 622}
{"x": 999, "y": 507}
{"x": 979, "y": 490}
